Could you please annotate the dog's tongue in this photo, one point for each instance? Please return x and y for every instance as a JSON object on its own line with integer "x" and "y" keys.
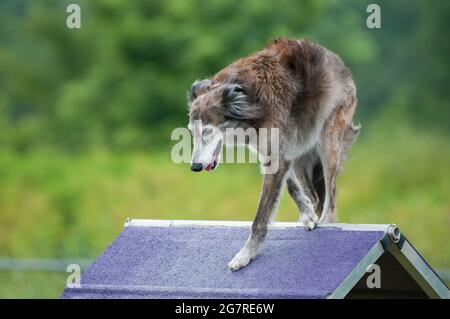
{"x": 211, "y": 166}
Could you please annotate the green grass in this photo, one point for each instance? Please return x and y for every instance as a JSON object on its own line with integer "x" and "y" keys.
{"x": 31, "y": 284}
{"x": 55, "y": 205}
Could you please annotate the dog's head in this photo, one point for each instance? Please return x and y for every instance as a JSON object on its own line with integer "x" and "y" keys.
{"x": 214, "y": 107}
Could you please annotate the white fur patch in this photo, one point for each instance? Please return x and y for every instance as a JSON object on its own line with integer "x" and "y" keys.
{"x": 241, "y": 259}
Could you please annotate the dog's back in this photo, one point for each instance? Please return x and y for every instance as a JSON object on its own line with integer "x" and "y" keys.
{"x": 297, "y": 81}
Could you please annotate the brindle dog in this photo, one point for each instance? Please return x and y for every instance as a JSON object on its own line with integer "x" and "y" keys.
{"x": 308, "y": 94}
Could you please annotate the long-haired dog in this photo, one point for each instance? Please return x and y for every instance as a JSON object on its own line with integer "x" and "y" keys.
{"x": 308, "y": 94}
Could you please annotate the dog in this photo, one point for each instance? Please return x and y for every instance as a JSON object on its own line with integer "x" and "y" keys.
{"x": 304, "y": 91}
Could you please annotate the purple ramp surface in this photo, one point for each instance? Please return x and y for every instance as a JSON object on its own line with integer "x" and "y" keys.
{"x": 191, "y": 262}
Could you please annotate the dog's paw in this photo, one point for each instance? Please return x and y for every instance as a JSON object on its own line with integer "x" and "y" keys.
{"x": 309, "y": 222}
{"x": 240, "y": 260}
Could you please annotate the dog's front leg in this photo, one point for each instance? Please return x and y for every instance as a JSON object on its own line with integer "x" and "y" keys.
{"x": 272, "y": 188}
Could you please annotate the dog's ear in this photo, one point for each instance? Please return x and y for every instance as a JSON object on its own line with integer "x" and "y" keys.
{"x": 199, "y": 87}
{"x": 235, "y": 104}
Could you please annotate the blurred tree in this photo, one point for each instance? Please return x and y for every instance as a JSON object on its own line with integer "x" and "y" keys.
{"x": 120, "y": 80}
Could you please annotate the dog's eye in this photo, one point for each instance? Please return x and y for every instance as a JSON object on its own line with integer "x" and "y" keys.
{"x": 207, "y": 135}
{"x": 207, "y": 131}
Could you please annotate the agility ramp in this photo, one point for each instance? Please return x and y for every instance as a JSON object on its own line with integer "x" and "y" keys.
{"x": 188, "y": 259}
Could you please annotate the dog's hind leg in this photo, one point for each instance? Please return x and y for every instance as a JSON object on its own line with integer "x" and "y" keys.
{"x": 272, "y": 188}
{"x": 304, "y": 168}
{"x": 335, "y": 143}
{"x": 297, "y": 184}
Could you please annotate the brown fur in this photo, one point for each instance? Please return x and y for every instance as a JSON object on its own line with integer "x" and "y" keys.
{"x": 307, "y": 92}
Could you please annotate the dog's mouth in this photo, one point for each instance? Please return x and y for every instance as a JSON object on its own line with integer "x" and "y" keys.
{"x": 215, "y": 158}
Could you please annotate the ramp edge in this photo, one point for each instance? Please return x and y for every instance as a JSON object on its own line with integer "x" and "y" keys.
{"x": 222, "y": 223}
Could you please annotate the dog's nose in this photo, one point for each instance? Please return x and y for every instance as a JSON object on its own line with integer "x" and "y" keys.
{"x": 196, "y": 167}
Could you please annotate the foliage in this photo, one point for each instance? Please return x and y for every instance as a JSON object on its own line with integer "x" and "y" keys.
{"x": 120, "y": 80}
